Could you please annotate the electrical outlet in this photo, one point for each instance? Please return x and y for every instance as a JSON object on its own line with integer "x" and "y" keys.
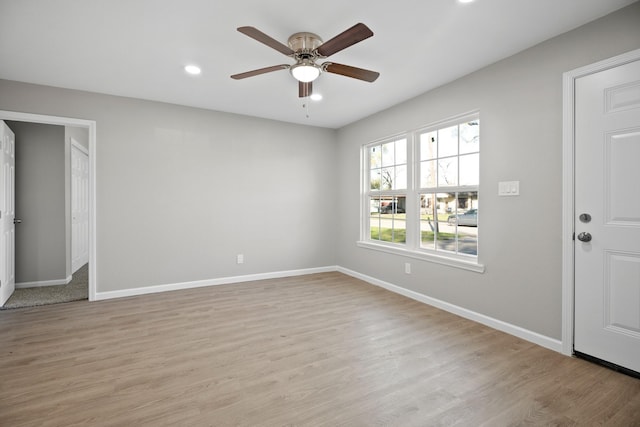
{"x": 407, "y": 268}
{"x": 240, "y": 259}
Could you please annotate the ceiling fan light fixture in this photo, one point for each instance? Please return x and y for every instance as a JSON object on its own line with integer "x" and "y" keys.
{"x": 305, "y": 71}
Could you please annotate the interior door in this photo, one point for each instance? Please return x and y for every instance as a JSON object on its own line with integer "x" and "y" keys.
{"x": 79, "y": 207}
{"x": 607, "y": 208}
{"x": 7, "y": 212}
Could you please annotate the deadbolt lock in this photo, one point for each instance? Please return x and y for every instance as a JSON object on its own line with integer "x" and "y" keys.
{"x": 585, "y": 217}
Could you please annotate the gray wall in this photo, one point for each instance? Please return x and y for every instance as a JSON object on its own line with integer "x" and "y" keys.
{"x": 520, "y": 104}
{"x": 40, "y": 202}
{"x": 182, "y": 191}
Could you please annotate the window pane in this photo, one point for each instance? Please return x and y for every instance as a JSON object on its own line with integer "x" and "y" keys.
{"x": 467, "y": 223}
{"x": 386, "y": 179}
{"x": 375, "y": 178}
{"x": 388, "y": 157}
{"x": 399, "y": 220}
{"x": 448, "y": 172}
{"x": 450, "y": 223}
{"x": 390, "y": 205}
{"x": 375, "y": 230}
{"x": 470, "y": 169}
{"x": 401, "y": 152}
{"x": 375, "y": 157}
{"x": 392, "y": 220}
{"x": 374, "y": 218}
{"x": 428, "y": 174}
{"x": 374, "y": 206}
{"x": 470, "y": 137}
{"x": 400, "y": 182}
{"x": 445, "y": 233}
{"x": 427, "y": 222}
{"x": 428, "y": 145}
{"x": 400, "y": 230}
{"x": 448, "y": 141}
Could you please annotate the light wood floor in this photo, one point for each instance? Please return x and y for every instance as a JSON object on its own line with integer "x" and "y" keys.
{"x": 324, "y": 349}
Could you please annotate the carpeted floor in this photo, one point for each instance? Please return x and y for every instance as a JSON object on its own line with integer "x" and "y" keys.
{"x": 77, "y": 289}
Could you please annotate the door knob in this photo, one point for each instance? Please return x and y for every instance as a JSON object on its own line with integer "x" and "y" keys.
{"x": 17, "y": 221}
{"x": 584, "y": 237}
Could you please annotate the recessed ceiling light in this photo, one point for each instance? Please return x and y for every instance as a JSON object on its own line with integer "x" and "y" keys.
{"x": 193, "y": 69}
{"x": 465, "y": 1}
{"x": 316, "y": 97}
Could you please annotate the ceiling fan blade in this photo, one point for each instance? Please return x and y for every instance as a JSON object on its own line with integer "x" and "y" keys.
{"x": 259, "y": 71}
{"x": 258, "y": 35}
{"x": 304, "y": 89}
{"x": 347, "y": 38}
{"x": 354, "y": 72}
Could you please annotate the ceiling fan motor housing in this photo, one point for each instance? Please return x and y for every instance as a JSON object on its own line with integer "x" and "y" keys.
{"x": 304, "y": 45}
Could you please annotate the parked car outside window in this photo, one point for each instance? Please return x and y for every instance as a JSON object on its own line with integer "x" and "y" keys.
{"x": 391, "y": 208}
{"x": 469, "y": 218}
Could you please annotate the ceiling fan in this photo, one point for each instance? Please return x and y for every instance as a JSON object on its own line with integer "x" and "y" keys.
{"x": 306, "y": 48}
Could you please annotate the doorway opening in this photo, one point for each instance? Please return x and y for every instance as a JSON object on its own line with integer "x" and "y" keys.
{"x": 85, "y": 226}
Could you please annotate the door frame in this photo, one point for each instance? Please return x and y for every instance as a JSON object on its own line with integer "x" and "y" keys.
{"x": 91, "y": 126}
{"x": 568, "y": 183}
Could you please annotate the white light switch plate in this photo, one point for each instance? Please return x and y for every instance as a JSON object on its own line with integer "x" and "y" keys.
{"x": 509, "y": 188}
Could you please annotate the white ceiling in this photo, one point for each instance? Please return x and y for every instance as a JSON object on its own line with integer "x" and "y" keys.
{"x": 138, "y": 48}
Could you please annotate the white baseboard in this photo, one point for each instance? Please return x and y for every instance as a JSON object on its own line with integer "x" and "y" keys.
{"x": 525, "y": 334}
{"x": 210, "y": 282}
{"x": 41, "y": 283}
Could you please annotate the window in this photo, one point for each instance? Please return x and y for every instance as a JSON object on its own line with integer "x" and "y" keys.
{"x": 449, "y": 175}
{"x": 387, "y": 191}
{"x": 421, "y": 192}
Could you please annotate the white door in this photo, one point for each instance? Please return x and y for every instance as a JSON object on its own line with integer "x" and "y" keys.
{"x": 79, "y": 207}
{"x": 7, "y": 212}
{"x": 607, "y": 188}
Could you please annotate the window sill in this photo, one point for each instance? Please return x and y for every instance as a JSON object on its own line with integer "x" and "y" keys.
{"x": 450, "y": 261}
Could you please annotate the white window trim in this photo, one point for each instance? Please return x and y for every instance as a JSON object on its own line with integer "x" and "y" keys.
{"x": 411, "y": 248}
